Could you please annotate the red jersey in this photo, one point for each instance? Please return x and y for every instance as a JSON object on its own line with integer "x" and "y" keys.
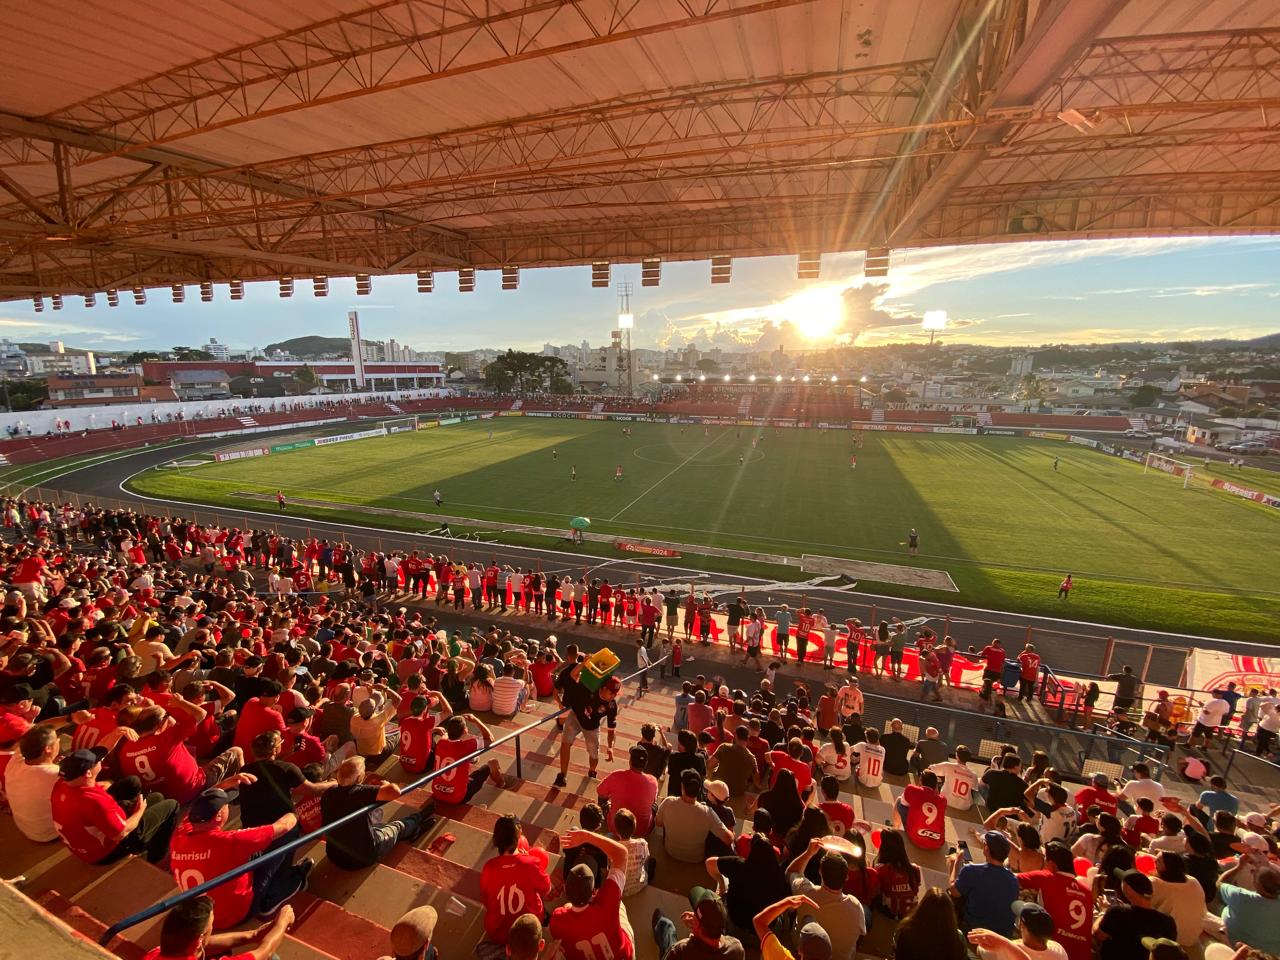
{"x": 544, "y": 675}
{"x": 415, "y": 742}
{"x": 512, "y": 884}
{"x": 452, "y": 786}
{"x": 593, "y": 932}
{"x": 1030, "y": 665}
{"x": 162, "y": 762}
{"x": 926, "y": 811}
{"x": 1090, "y": 795}
{"x": 308, "y": 812}
{"x": 256, "y": 718}
{"x": 1069, "y": 902}
{"x": 90, "y": 733}
{"x": 303, "y": 748}
{"x": 198, "y": 854}
{"x": 781, "y": 760}
{"x": 897, "y": 888}
{"x": 994, "y": 656}
{"x": 89, "y": 821}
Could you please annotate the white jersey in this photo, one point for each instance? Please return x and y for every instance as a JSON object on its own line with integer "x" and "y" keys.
{"x": 870, "y": 763}
{"x": 959, "y": 783}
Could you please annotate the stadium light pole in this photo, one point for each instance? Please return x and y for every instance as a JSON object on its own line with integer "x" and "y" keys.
{"x": 934, "y": 320}
{"x": 626, "y": 321}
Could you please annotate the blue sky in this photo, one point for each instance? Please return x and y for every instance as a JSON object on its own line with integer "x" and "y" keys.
{"x": 1018, "y": 293}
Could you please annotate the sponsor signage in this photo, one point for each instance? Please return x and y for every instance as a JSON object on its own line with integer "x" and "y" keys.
{"x": 629, "y": 547}
{"x": 295, "y": 445}
{"x": 450, "y": 421}
{"x": 344, "y": 437}
{"x": 401, "y": 427}
{"x": 746, "y": 423}
{"x": 967, "y": 431}
{"x": 536, "y": 413}
{"x": 511, "y": 413}
{"x": 594, "y": 416}
{"x": 428, "y": 424}
{"x": 241, "y": 454}
{"x": 1001, "y": 432}
{"x": 1257, "y": 496}
{"x": 1043, "y": 435}
{"x": 1085, "y": 441}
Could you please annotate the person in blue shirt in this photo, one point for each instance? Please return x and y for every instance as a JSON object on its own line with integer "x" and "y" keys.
{"x": 1217, "y": 798}
{"x": 1250, "y": 917}
{"x": 988, "y": 888}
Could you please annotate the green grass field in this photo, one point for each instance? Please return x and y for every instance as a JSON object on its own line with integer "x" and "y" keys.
{"x": 991, "y": 511}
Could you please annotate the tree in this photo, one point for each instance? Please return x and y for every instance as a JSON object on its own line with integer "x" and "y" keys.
{"x": 1032, "y": 388}
{"x": 190, "y": 353}
{"x": 141, "y": 356}
{"x": 1228, "y": 412}
{"x": 21, "y": 395}
{"x": 708, "y": 365}
{"x": 894, "y": 396}
{"x": 519, "y": 372}
{"x": 1146, "y": 395}
{"x": 306, "y": 378}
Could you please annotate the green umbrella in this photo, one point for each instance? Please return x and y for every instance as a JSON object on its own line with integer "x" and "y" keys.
{"x": 580, "y": 523}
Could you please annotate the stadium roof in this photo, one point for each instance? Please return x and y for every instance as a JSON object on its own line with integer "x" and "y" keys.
{"x": 147, "y": 142}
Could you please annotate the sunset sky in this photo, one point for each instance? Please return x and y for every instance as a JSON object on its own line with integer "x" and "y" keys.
{"x": 1007, "y": 294}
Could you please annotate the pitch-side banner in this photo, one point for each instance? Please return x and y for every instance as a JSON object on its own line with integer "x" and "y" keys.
{"x": 1213, "y": 669}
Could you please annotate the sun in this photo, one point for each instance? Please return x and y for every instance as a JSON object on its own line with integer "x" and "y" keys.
{"x": 818, "y": 314}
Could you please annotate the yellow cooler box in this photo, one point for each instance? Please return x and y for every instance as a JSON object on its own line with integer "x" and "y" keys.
{"x": 598, "y": 668}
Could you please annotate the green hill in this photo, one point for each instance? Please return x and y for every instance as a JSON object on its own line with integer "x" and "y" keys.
{"x": 308, "y": 347}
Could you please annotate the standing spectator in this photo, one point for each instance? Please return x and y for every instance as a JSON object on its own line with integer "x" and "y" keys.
{"x": 988, "y": 888}
{"x": 591, "y": 916}
{"x": 993, "y": 656}
{"x": 1127, "y": 686}
{"x": 362, "y": 842}
{"x": 589, "y": 709}
{"x": 1028, "y": 672}
{"x": 1213, "y": 714}
{"x": 687, "y": 823}
{"x": 631, "y": 789}
{"x": 1119, "y": 931}
{"x": 102, "y": 825}
{"x": 656, "y": 754}
{"x": 735, "y": 764}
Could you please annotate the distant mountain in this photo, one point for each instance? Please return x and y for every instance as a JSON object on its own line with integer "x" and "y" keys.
{"x": 306, "y": 348}
{"x": 1266, "y": 341}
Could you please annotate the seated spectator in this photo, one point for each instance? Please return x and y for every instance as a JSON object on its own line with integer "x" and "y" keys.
{"x": 1098, "y": 793}
{"x": 897, "y": 747}
{"x": 959, "y": 782}
{"x": 631, "y": 789}
{"x": 640, "y": 865}
{"x": 1067, "y": 898}
{"x": 29, "y": 779}
{"x": 989, "y": 888}
{"x": 188, "y": 932}
{"x": 930, "y": 931}
{"x": 754, "y": 881}
{"x": 839, "y": 914}
{"x": 929, "y": 750}
{"x": 1120, "y": 930}
{"x": 1140, "y": 786}
{"x": 362, "y": 842}
{"x": 1004, "y": 786}
{"x": 590, "y": 819}
{"x": 511, "y": 689}
{"x": 371, "y": 727}
{"x": 900, "y": 879}
{"x": 734, "y": 763}
{"x": 688, "y": 757}
{"x": 410, "y": 938}
{"x": 417, "y": 733}
{"x": 159, "y": 757}
{"x": 688, "y": 824}
{"x": 1180, "y": 896}
{"x": 525, "y": 941}
{"x": 461, "y": 784}
{"x": 102, "y": 825}
{"x": 594, "y": 916}
{"x": 870, "y": 756}
{"x": 202, "y": 848}
{"x": 513, "y": 882}
{"x": 1252, "y": 917}
{"x": 921, "y": 811}
{"x": 812, "y": 942}
{"x": 707, "y": 939}
{"x": 260, "y": 715}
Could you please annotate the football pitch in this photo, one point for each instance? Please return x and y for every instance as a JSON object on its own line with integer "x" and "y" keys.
{"x": 990, "y": 511}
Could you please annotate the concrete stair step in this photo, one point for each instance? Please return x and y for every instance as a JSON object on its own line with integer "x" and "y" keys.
{"x": 88, "y": 925}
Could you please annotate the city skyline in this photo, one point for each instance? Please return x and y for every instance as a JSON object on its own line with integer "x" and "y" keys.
{"x": 1081, "y": 291}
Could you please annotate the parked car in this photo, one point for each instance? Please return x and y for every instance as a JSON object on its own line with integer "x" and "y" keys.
{"x": 1248, "y": 446}
{"x": 1137, "y": 434}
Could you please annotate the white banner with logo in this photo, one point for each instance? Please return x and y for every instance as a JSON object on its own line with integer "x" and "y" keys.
{"x": 1213, "y": 670}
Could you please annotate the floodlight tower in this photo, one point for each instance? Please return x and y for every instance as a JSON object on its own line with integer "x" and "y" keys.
{"x": 626, "y": 322}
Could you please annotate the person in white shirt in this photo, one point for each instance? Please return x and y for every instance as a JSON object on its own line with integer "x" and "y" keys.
{"x": 870, "y": 760}
{"x": 28, "y": 783}
{"x": 835, "y": 757}
{"x": 959, "y": 783}
{"x": 849, "y": 700}
{"x": 1180, "y": 896}
{"x": 1211, "y": 716}
{"x": 1141, "y": 786}
{"x": 1035, "y": 932}
{"x": 1171, "y": 839}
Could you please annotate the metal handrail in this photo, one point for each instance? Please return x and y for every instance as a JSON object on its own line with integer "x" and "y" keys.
{"x": 168, "y": 903}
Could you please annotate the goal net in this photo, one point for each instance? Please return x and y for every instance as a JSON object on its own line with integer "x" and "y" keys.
{"x": 400, "y": 425}
{"x": 1178, "y": 468}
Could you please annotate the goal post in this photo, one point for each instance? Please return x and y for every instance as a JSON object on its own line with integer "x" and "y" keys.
{"x": 1177, "y": 468}
{"x": 400, "y": 425}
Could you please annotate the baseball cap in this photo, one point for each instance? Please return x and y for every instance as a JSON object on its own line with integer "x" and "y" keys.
{"x": 206, "y": 806}
{"x": 997, "y": 844}
{"x": 1255, "y": 819}
{"x": 1252, "y": 842}
{"x": 1036, "y": 918}
{"x": 710, "y": 911}
{"x": 814, "y": 942}
{"x": 579, "y": 884}
{"x": 718, "y": 789}
{"x": 1162, "y": 948}
{"x": 413, "y": 931}
{"x": 79, "y": 762}
{"x": 1138, "y": 882}
{"x": 638, "y": 754}
{"x": 68, "y": 603}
